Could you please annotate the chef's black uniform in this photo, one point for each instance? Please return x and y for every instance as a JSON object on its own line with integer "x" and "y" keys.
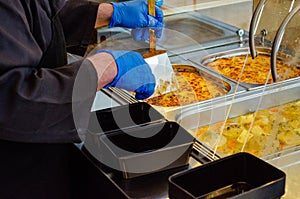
{"x": 36, "y": 121}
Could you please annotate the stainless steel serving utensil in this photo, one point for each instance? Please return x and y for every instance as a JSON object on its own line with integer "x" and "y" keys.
{"x": 159, "y": 61}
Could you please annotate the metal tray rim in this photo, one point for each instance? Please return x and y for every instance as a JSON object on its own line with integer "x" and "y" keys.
{"x": 229, "y": 53}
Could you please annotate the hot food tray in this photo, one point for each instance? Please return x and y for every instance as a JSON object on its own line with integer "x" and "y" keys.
{"x": 229, "y": 64}
{"x": 275, "y": 126}
{"x": 170, "y": 112}
{"x": 186, "y": 32}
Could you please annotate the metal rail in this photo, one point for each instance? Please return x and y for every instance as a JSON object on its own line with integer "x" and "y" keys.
{"x": 278, "y": 39}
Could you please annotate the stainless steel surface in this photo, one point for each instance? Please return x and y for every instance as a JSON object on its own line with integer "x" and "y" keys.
{"x": 183, "y": 33}
{"x": 153, "y": 186}
{"x": 187, "y": 32}
{"x": 194, "y": 28}
{"x": 278, "y": 39}
{"x": 208, "y": 51}
{"x": 125, "y": 95}
{"x": 119, "y": 96}
{"x": 241, "y": 34}
{"x": 246, "y": 102}
{"x": 288, "y": 162}
{"x": 203, "y": 153}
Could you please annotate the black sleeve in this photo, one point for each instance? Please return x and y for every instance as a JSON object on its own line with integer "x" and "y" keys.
{"x": 78, "y": 19}
{"x": 37, "y": 103}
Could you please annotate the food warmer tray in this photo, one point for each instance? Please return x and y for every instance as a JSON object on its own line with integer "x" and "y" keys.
{"x": 170, "y": 112}
{"x": 209, "y": 113}
{"x": 182, "y": 33}
{"x": 187, "y": 32}
{"x": 203, "y": 60}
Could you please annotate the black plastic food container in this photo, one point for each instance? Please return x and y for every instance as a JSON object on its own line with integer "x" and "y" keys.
{"x": 238, "y": 176}
{"x": 122, "y": 117}
{"x": 142, "y": 149}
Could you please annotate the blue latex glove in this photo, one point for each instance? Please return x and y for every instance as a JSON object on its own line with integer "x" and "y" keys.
{"x": 134, "y": 14}
{"x": 134, "y": 74}
{"x": 159, "y": 2}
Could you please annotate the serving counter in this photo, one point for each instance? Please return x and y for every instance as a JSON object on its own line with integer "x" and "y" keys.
{"x": 209, "y": 121}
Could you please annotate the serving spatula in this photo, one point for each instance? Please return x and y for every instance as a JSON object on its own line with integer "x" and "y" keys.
{"x": 159, "y": 61}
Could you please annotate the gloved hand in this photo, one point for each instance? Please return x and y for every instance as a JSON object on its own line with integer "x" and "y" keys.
{"x": 142, "y": 34}
{"x": 159, "y": 2}
{"x": 134, "y": 74}
{"x": 134, "y": 14}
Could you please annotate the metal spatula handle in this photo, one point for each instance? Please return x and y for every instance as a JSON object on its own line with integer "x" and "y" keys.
{"x": 152, "y": 35}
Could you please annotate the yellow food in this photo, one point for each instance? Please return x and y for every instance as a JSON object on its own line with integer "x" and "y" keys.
{"x": 255, "y": 70}
{"x": 191, "y": 88}
{"x": 271, "y": 130}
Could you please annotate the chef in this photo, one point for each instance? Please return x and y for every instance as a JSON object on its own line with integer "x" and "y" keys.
{"x": 36, "y": 84}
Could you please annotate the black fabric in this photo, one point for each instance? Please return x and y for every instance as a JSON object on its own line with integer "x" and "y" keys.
{"x": 82, "y": 12}
{"x": 51, "y": 171}
{"x": 37, "y": 128}
{"x": 36, "y": 84}
{"x": 35, "y": 171}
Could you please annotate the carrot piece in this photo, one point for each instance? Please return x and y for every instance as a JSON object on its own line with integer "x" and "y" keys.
{"x": 231, "y": 143}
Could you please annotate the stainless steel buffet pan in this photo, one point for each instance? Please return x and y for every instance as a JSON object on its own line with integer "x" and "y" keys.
{"x": 170, "y": 112}
{"x": 218, "y": 110}
{"x": 182, "y": 33}
{"x": 186, "y": 32}
{"x": 202, "y": 61}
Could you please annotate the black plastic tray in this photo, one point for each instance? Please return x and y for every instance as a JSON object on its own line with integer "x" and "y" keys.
{"x": 241, "y": 176}
{"x": 150, "y": 186}
{"x": 121, "y": 117}
{"x": 143, "y": 149}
